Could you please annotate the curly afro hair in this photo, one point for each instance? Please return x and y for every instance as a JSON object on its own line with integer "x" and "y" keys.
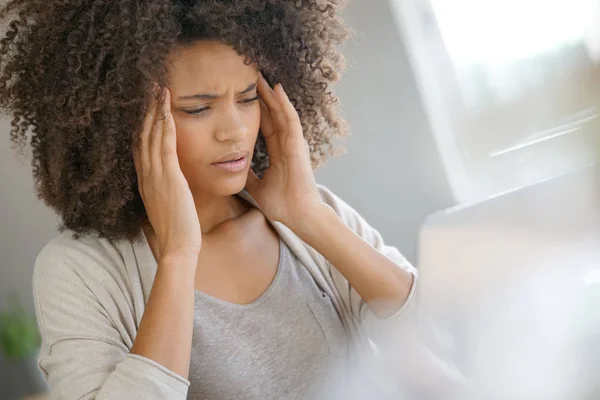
{"x": 76, "y": 78}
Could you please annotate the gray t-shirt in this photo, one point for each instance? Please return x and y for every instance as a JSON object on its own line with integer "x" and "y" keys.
{"x": 284, "y": 345}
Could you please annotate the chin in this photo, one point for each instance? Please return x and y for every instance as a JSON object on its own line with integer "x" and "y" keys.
{"x": 222, "y": 187}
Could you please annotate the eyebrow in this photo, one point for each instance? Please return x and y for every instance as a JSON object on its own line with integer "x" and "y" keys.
{"x": 210, "y": 96}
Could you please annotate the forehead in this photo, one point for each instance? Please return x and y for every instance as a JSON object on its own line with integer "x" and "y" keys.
{"x": 209, "y": 66}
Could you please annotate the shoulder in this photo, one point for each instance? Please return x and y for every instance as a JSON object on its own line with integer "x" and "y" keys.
{"x": 81, "y": 288}
{"x": 345, "y": 211}
{"x": 361, "y": 227}
{"x": 65, "y": 249}
{"x": 66, "y": 243}
{"x": 334, "y": 201}
{"x": 68, "y": 261}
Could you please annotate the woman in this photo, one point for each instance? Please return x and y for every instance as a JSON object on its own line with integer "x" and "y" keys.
{"x": 198, "y": 256}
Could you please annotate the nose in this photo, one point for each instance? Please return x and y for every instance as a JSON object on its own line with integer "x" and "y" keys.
{"x": 231, "y": 126}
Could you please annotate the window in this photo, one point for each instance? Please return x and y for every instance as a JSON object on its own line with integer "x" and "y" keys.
{"x": 511, "y": 87}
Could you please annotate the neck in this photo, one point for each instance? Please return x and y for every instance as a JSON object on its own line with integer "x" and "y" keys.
{"x": 213, "y": 211}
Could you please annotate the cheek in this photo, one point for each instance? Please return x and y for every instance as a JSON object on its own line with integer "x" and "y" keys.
{"x": 253, "y": 121}
{"x": 192, "y": 138}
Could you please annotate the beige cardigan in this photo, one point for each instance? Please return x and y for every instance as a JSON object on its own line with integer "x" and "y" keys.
{"x": 90, "y": 295}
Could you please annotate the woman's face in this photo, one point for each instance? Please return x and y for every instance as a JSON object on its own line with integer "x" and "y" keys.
{"x": 217, "y": 116}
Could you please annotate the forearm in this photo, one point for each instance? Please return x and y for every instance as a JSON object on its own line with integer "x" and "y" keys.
{"x": 165, "y": 333}
{"x": 378, "y": 280}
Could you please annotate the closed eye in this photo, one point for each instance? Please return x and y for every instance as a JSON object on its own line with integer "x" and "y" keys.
{"x": 250, "y": 101}
{"x": 199, "y": 111}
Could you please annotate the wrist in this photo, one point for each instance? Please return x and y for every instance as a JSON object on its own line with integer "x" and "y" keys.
{"x": 180, "y": 259}
{"x": 176, "y": 249}
{"x": 313, "y": 220}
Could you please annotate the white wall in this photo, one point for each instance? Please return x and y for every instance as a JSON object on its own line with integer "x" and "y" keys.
{"x": 392, "y": 173}
{"x": 25, "y": 226}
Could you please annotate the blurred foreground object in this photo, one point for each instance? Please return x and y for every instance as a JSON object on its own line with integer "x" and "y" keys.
{"x": 593, "y": 36}
{"x": 507, "y": 307}
{"x": 19, "y": 343}
{"x": 19, "y": 336}
{"x": 514, "y": 284}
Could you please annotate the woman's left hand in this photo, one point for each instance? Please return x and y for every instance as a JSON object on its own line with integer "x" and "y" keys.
{"x": 288, "y": 191}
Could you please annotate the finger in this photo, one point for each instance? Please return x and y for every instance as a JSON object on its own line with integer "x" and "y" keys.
{"x": 252, "y": 182}
{"x": 266, "y": 124}
{"x": 290, "y": 112}
{"x": 156, "y": 136}
{"x": 142, "y": 151}
{"x": 267, "y": 129}
{"x": 294, "y": 130}
{"x": 273, "y": 104}
{"x": 169, "y": 138}
{"x": 138, "y": 168}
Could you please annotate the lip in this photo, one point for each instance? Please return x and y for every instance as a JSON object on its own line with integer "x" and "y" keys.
{"x": 233, "y": 162}
{"x": 236, "y": 155}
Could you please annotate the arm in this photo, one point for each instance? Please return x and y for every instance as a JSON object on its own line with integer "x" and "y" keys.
{"x": 288, "y": 193}
{"x": 87, "y": 324}
{"x": 376, "y": 278}
{"x": 86, "y": 341}
{"x": 165, "y": 333}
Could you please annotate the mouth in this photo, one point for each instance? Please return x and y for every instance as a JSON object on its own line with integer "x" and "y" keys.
{"x": 233, "y": 162}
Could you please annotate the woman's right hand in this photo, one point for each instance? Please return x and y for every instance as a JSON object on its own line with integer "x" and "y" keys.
{"x": 164, "y": 189}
